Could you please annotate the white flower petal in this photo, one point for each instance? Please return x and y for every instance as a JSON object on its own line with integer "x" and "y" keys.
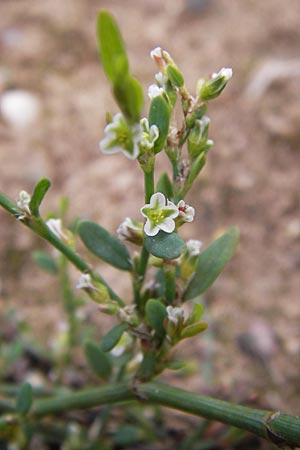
{"x": 168, "y": 225}
{"x": 149, "y": 230}
{"x": 158, "y": 201}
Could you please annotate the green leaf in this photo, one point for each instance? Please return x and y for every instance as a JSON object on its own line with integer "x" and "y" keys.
{"x": 111, "y": 48}
{"x": 211, "y": 262}
{"x": 165, "y": 186}
{"x": 159, "y": 115}
{"x": 147, "y": 368}
{"x": 175, "y": 76}
{"x": 155, "y": 314}
{"x": 129, "y": 95}
{"x": 98, "y": 361}
{"x": 193, "y": 330}
{"x": 104, "y": 245}
{"x": 196, "y": 168}
{"x": 45, "y": 261}
{"x": 197, "y": 313}
{"x": 110, "y": 340}
{"x": 165, "y": 245}
{"x": 127, "y": 435}
{"x": 24, "y": 399}
{"x": 38, "y": 194}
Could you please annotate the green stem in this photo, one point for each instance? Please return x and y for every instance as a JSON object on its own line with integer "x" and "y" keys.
{"x": 281, "y": 429}
{"x": 69, "y": 303}
{"x": 149, "y": 185}
{"x": 37, "y": 225}
{"x": 143, "y": 262}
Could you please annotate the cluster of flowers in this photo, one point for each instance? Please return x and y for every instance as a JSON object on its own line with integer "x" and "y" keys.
{"x": 134, "y": 139}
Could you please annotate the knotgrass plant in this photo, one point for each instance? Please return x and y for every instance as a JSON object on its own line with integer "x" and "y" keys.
{"x": 168, "y": 274}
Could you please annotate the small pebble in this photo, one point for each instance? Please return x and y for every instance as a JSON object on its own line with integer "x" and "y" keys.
{"x": 19, "y": 108}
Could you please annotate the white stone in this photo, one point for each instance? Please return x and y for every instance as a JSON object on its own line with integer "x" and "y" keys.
{"x": 19, "y": 108}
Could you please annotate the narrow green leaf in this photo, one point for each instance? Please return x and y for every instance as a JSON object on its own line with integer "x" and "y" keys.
{"x": 38, "y": 194}
{"x": 211, "y": 262}
{"x": 155, "y": 314}
{"x": 165, "y": 186}
{"x": 110, "y": 340}
{"x": 193, "y": 330}
{"x": 196, "y": 168}
{"x": 24, "y": 399}
{"x": 98, "y": 361}
{"x": 111, "y": 48}
{"x": 100, "y": 242}
{"x": 175, "y": 76}
{"x": 159, "y": 115}
{"x": 45, "y": 261}
{"x": 165, "y": 245}
{"x": 129, "y": 95}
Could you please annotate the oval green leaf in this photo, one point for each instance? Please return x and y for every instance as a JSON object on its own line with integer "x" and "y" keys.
{"x": 156, "y": 314}
{"x": 165, "y": 245}
{"x": 98, "y": 361}
{"x": 110, "y": 340}
{"x": 111, "y": 48}
{"x": 38, "y": 194}
{"x": 45, "y": 261}
{"x": 24, "y": 399}
{"x": 159, "y": 115}
{"x": 211, "y": 262}
{"x": 100, "y": 242}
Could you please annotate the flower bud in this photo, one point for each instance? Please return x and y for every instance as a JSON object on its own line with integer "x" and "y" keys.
{"x": 96, "y": 290}
{"x": 198, "y": 137}
{"x": 213, "y": 87}
{"x": 131, "y": 230}
{"x": 128, "y": 315}
{"x": 56, "y": 227}
{"x": 189, "y": 258}
{"x": 23, "y": 201}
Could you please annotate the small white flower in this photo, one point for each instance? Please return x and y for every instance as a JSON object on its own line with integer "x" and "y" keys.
{"x": 175, "y": 315}
{"x": 85, "y": 282}
{"x": 161, "y": 79}
{"x": 149, "y": 134}
{"x": 159, "y": 214}
{"x": 55, "y": 225}
{"x": 162, "y": 58}
{"x": 156, "y": 53}
{"x": 23, "y": 201}
{"x": 186, "y": 212}
{"x": 155, "y": 91}
{"x": 121, "y": 137}
{"x": 193, "y": 247}
{"x": 225, "y": 73}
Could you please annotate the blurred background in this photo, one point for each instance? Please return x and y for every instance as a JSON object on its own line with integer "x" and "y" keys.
{"x": 53, "y": 100}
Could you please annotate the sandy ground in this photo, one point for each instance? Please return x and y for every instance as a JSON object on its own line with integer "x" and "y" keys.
{"x": 251, "y": 180}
